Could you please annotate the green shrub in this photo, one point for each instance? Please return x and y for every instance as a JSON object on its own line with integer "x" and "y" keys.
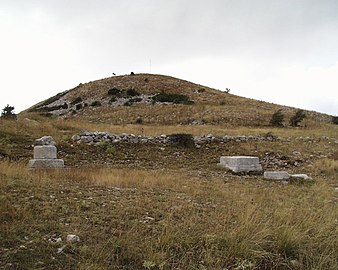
{"x": 127, "y": 103}
{"x": 277, "y": 119}
{"x": 335, "y": 120}
{"x": 76, "y": 101}
{"x": 182, "y": 139}
{"x": 174, "y": 98}
{"x": 8, "y": 112}
{"x": 95, "y": 103}
{"x": 132, "y": 92}
{"x": 297, "y": 118}
{"x": 114, "y": 91}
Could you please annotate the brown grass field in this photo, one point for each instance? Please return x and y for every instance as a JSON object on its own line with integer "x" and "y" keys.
{"x": 137, "y": 206}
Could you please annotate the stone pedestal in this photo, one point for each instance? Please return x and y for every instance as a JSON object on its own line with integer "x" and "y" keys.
{"x": 241, "y": 164}
{"x": 45, "y": 152}
{"x": 45, "y": 155}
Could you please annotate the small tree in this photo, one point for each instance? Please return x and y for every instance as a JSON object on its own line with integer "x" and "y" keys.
{"x": 8, "y": 112}
{"x": 277, "y": 119}
{"x": 297, "y": 118}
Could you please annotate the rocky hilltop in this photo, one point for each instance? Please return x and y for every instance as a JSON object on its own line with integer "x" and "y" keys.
{"x": 160, "y": 99}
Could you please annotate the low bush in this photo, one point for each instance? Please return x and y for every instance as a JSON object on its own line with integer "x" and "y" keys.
{"x": 297, "y": 118}
{"x": 95, "y": 103}
{"x": 127, "y": 103}
{"x": 76, "y": 101}
{"x": 335, "y": 120}
{"x": 114, "y": 91}
{"x": 277, "y": 119}
{"x": 78, "y": 106}
{"x": 182, "y": 139}
{"x": 132, "y": 92}
{"x": 174, "y": 98}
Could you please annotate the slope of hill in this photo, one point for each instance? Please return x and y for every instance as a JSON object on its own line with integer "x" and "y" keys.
{"x": 136, "y": 204}
{"x": 160, "y": 99}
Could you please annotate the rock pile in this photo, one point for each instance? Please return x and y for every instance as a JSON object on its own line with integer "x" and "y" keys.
{"x": 106, "y": 137}
{"x": 45, "y": 154}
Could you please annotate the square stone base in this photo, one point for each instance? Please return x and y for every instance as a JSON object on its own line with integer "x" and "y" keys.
{"x": 241, "y": 164}
{"x": 46, "y": 163}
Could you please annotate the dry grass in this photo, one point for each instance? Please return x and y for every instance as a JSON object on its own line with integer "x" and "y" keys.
{"x": 43, "y": 125}
{"x": 326, "y": 167}
{"x": 137, "y": 219}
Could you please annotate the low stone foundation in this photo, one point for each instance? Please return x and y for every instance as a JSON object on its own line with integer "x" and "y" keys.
{"x": 241, "y": 164}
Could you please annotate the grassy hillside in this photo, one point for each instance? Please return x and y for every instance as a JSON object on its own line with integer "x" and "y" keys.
{"x": 166, "y": 206}
{"x": 124, "y": 99}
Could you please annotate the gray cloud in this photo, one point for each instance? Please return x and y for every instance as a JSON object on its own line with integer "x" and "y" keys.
{"x": 97, "y": 36}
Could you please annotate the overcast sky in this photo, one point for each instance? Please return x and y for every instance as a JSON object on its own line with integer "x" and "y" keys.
{"x": 282, "y": 51}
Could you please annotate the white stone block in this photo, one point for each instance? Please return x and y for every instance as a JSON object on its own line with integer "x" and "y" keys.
{"x": 240, "y": 164}
{"x": 45, "y": 152}
{"x": 300, "y": 177}
{"x": 276, "y": 175}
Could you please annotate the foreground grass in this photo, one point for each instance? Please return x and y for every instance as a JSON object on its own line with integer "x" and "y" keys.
{"x": 137, "y": 219}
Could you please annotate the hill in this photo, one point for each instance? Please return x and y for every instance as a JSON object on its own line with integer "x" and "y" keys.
{"x": 158, "y": 99}
{"x": 136, "y": 200}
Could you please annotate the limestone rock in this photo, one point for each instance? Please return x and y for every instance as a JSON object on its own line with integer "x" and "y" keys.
{"x": 73, "y": 238}
{"x": 303, "y": 177}
{"x": 240, "y": 164}
{"x": 274, "y": 175}
{"x": 45, "y": 140}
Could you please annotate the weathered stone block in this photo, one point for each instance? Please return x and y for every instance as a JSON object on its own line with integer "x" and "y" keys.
{"x": 300, "y": 177}
{"x": 46, "y": 163}
{"x": 240, "y": 164}
{"x": 45, "y": 140}
{"x": 276, "y": 175}
{"x": 45, "y": 152}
